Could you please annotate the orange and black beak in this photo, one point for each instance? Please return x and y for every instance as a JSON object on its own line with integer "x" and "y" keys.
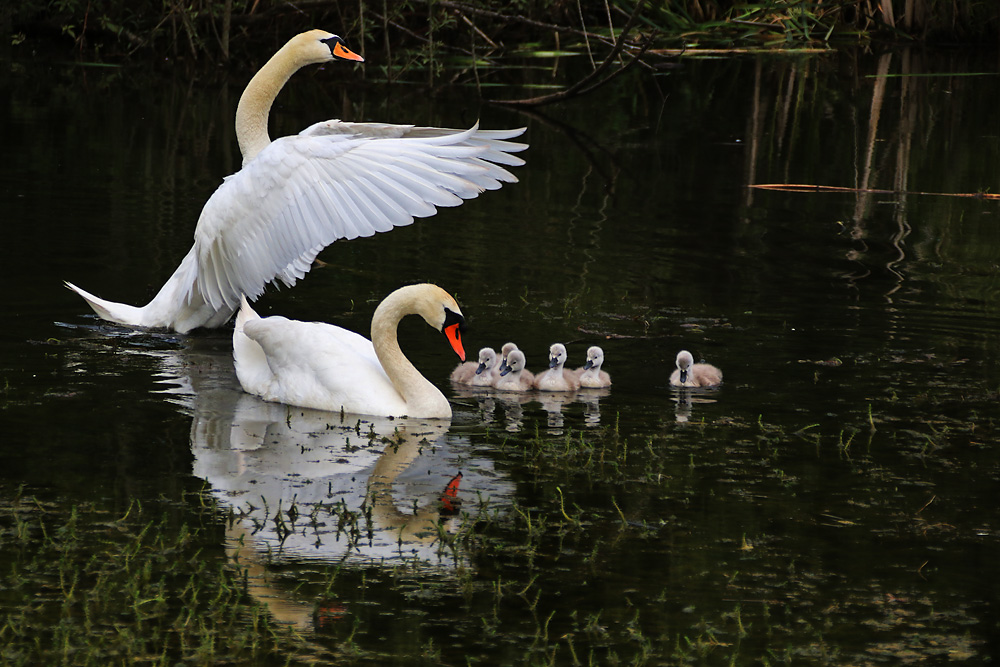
{"x": 454, "y": 325}
{"x": 340, "y": 50}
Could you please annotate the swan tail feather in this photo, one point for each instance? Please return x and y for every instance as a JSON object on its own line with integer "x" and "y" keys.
{"x": 176, "y": 306}
{"x": 109, "y": 310}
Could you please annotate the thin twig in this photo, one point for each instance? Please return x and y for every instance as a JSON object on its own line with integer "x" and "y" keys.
{"x": 586, "y": 145}
{"x": 458, "y": 6}
{"x": 592, "y": 81}
{"x": 479, "y": 32}
{"x": 583, "y": 26}
{"x": 794, "y": 187}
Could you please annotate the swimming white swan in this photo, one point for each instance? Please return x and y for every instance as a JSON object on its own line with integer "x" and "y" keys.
{"x": 590, "y": 374}
{"x": 318, "y": 365}
{"x": 515, "y": 377}
{"x": 690, "y": 374}
{"x": 296, "y": 195}
{"x": 557, "y": 378}
{"x": 481, "y": 373}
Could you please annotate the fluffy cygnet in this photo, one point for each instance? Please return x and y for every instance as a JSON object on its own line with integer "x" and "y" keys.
{"x": 690, "y": 374}
{"x": 504, "y": 353}
{"x": 515, "y": 377}
{"x": 481, "y": 373}
{"x": 590, "y": 374}
{"x": 557, "y": 378}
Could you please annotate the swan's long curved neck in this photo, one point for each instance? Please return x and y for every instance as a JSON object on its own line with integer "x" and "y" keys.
{"x": 255, "y": 103}
{"x": 416, "y": 390}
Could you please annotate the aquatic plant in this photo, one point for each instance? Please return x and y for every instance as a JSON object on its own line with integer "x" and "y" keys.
{"x": 84, "y": 586}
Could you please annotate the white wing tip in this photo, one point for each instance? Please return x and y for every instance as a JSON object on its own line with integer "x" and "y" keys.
{"x": 502, "y": 134}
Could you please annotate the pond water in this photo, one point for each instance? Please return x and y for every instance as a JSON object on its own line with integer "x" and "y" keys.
{"x": 833, "y": 502}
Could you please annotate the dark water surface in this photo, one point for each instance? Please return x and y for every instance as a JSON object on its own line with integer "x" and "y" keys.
{"x": 834, "y": 502}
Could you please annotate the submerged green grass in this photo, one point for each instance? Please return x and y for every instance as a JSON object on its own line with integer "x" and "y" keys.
{"x": 604, "y": 557}
{"x": 82, "y": 587}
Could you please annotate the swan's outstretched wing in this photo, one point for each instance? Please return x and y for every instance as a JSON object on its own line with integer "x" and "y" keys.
{"x": 336, "y": 181}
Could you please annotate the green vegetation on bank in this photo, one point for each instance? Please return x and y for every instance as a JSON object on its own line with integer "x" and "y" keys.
{"x": 421, "y": 32}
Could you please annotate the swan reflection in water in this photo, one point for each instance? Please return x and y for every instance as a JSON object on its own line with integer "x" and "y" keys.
{"x": 268, "y": 460}
{"x": 308, "y": 486}
{"x": 305, "y": 484}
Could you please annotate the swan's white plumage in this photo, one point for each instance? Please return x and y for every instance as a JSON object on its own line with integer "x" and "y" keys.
{"x": 321, "y": 366}
{"x": 302, "y": 193}
{"x": 296, "y": 195}
{"x": 300, "y": 370}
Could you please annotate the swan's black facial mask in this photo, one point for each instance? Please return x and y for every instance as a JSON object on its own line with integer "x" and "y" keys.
{"x": 340, "y": 50}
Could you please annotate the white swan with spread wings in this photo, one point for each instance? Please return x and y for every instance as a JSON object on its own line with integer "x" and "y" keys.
{"x": 297, "y": 194}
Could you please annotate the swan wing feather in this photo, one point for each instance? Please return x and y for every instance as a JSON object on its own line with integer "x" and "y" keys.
{"x": 336, "y": 181}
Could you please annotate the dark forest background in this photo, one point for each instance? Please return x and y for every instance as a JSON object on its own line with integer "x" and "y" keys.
{"x": 423, "y": 33}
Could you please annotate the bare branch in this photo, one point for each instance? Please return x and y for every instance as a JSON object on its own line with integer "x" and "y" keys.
{"x": 592, "y": 81}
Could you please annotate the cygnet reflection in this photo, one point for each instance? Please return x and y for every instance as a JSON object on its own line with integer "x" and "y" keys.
{"x": 684, "y": 399}
{"x": 507, "y": 409}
